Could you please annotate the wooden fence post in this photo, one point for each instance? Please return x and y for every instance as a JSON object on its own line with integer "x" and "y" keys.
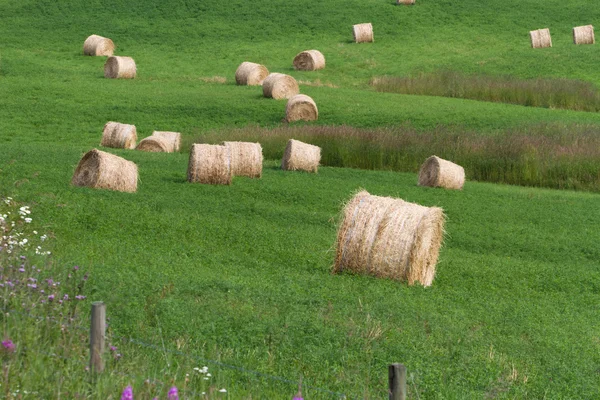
{"x": 97, "y": 336}
{"x": 397, "y": 381}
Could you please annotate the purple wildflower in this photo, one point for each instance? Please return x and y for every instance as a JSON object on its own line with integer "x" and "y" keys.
{"x": 127, "y": 393}
{"x": 66, "y": 297}
{"x": 85, "y": 277}
{"x": 80, "y": 297}
{"x": 173, "y": 394}
{"x": 51, "y": 297}
{"x": 113, "y": 348}
{"x": 23, "y": 258}
{"x": 75, "y": 268}
{"x": 8, "y": 346}
{"x": 21, "y": 269}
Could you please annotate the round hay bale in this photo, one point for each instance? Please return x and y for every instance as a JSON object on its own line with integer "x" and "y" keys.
{"x": 96, "y": 45}
{"x": 540, "y": 38}
{"x": 309, "y": 60}
{"x": 584, "y": 35}
{"x": 118, "y": 67}
{"x": 301, "y": 108}
{"x": 301, "y": 156}
{"x": 210, "y": 164}
{"x": 363, "y": 33}
{"x": 405, "y": 2}
{"x": 100, "y": 170}
{"x": 437, "y": 172}
{"x": 246, "y": 159}
{"x": 280, "y": 86}
{"x": 249, "y": 73}
{"x": 161, "y": 142}
{"x": 389, "y": 238}
{"x": 120, "y": 136}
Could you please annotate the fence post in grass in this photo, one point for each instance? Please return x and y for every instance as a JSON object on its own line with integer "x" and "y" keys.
{"x": 397, "y": 380}
{"x": 97, "y": 336}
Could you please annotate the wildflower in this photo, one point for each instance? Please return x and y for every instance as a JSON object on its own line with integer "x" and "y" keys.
{"x": 173, "y": 395}
{"x": 85, "y": 277}
{"x": 80, "y": 297}
{"x": 51, "y": 297}
{"x": 28, "y": 220}
{"x": 223, "y": 390}
{"x": 75, "y": 268}
{"x": 21, "y": 269}
{"x": 66, "y": 297}
{"x": 8, "y": 346}
{"x": 23, "y": 257}
{"x": 32, "y": 285}
{"x": 127, "y": 393}
{"x": 113, "y": 348}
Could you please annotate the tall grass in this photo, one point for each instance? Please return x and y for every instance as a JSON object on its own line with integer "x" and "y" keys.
{"x": 567, "y": 94}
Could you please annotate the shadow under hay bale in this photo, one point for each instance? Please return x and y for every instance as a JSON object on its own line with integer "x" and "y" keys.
{"x": 584, "y": 35}
{"x": 118, "y": 67}
{"x": 119, "y": 136}
{"x": 540, "y": 38}
{"x": 100, "y": 170}
{"x": 389, "y": 238}
{"x": 437, "y": 172}
{"x": 309, "y": 60}
{"x": 363, "y": 33}
{"x": 301, "y": 108}
{"x": 251, "y": 74}
{"x": 246, "y": 159}
{"x": 301, "y": 156}
{"x": 210, "y": 164}
{"x": 280, "y": 86}
{"x": 161, "y": 142}
{"x": 96, "y": 45}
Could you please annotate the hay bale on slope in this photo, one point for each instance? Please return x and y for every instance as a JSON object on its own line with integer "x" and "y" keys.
{"x": 405, "y": 2}
{"x": 280, "y": 86}
{"x": 584, "y": 35}
{"x": 246, "y": 159}
{"x": 161, "y": 142}
{"x": 540, "y": 38}
{"x": 389, "y": 238}
{"x": 437, "y": 172}
{"x": 301, "y": 156}
{"x": 363, "y": 33}
{"x": 96, "y": 45}
{"x": 249, "y": 73}
{"x": 309, "y": 60}
{"x": 210, "y": 164}
{"x": 100, "y": 170}
{"x": 301, "y": 108}
{"x": 117, "y": 135}
{"x": 118, "y": 67}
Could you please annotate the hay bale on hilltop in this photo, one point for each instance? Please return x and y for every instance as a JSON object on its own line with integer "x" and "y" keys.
{"x": 309, "y": 60}
{"x": 301, "y": 108}
{"x": 96, "y": 45}
{"x": 118, "y": 67}
{"x": 118, "y": 135}
{"x": 540, "y": 38}
{"x": 210, "y": 164}
{"x": 405, "y": 2}
{"x": 100, "y": 170}
{"x": 301, "y": 156}
{"x": 246, "y": 159}
{"x": 437, "y": 172}
{"x": 161, "y": 142}
{"x": 280, "y": 86}
{"x": 389, "y": 238}
{"x": 584, "y": 35}
{"x": 363, "y": 33}
{"x": 249, "y": 73}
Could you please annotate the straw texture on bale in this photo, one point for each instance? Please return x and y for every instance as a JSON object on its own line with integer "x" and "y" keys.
{"x": 100, "y": 170}
{"x": 246, "y": 159}
{"x": 437, "y": 172}
{"x": 280, "y": 86}
{"x": 249, "y": 73}
{"x": 389, "y": 238}
{"x": 210, "y": 164}
{"x": 118, "y": 67}
{"x": 540, "y": 38}
{"x": 363, "y": 33}
{"x": 301, "y": 156}
{"x": 584, "y": 35}
{"x": 96, "y": 45}
{"x": 161, "y": 142}
{"x": 301, "y": 108}
{"x": 120, "y": 136}
{"x": 309, "y": 60}
{"x": 405, "y": 2}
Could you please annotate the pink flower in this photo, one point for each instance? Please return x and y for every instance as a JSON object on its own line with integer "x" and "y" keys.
{"x": 173, "y": 395}
{"x": 127, "y": 393}
{"x": 8, "y": 346}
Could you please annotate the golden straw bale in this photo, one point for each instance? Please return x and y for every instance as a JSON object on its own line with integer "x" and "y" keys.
{"x": 118, "y": 67}
{"x": 161, "y": 142}
{"x": 246, "y": 159}
{"x": 280, "y": 86}
{"x": 363, "y": 33}
{"x": 120, "y": 136}
{"x": 249, "y": 73}
{"x": 389, "y": 238}
{"x": 301, "y": 108}
{"x": 405, "y": 2}
{"x": 210, "y": 164}
{"x": 100, "y": 170}
{"x": 309, "y": 60}
{"x": 584, "y": 35}
{"x": 301, "y": 156}
{"x": 540, "y": 38}
{"x": 96, "y": 45}
{"x": 437, "y": 172}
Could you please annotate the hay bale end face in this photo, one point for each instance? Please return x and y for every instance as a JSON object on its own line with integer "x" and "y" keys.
{"x": 363, "y": 33}
{"x": 118, "y": 67}
{"x": 210, "y": 164}
{"x": 389, "y": 238}
{"x": 405, "y": 2}
{"x": 161, "y": 142}
{"x": 540, "y": 38}
{"x": 100, "y": 170}
{"x": 246, "y": 159}
{"x": 251, "y": 74}
{"x": 301, "y": 108}
{"x": 309, "y": 60}
{"x": 119, "y": 136}
{"x": 301, "y": 156}
{"x": 584, "y": 35}
{"x": 280, "y": 86}
{"x": 437, "y": 172}
{"x": 96, "y": 45}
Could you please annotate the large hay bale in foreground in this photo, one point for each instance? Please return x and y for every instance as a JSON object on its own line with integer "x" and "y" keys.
{"x": 161, "y": 142}
{"x": 301, "y": 108}
{"x": 389, "y": 238}
{"x": 249, "y": 73}
{"x": 280, "y": 86}
{"x": 301, "y": 156}
{"x": 118, "y": 135}
{"x": 96, "y": 45}
{"x": 210, "y": 164}
{"x": 584, "y": 35}
{"x": 405, "y": 2}
{"x": 540, "y": 38}
{"x": 118, "y": 67}
{"x": 309, "y": 60}
{"x": 363, "y": 33}
{"x": 246, "y": 159}
{"x": 437, "y": 172}
{"x": 100, "y": 170}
